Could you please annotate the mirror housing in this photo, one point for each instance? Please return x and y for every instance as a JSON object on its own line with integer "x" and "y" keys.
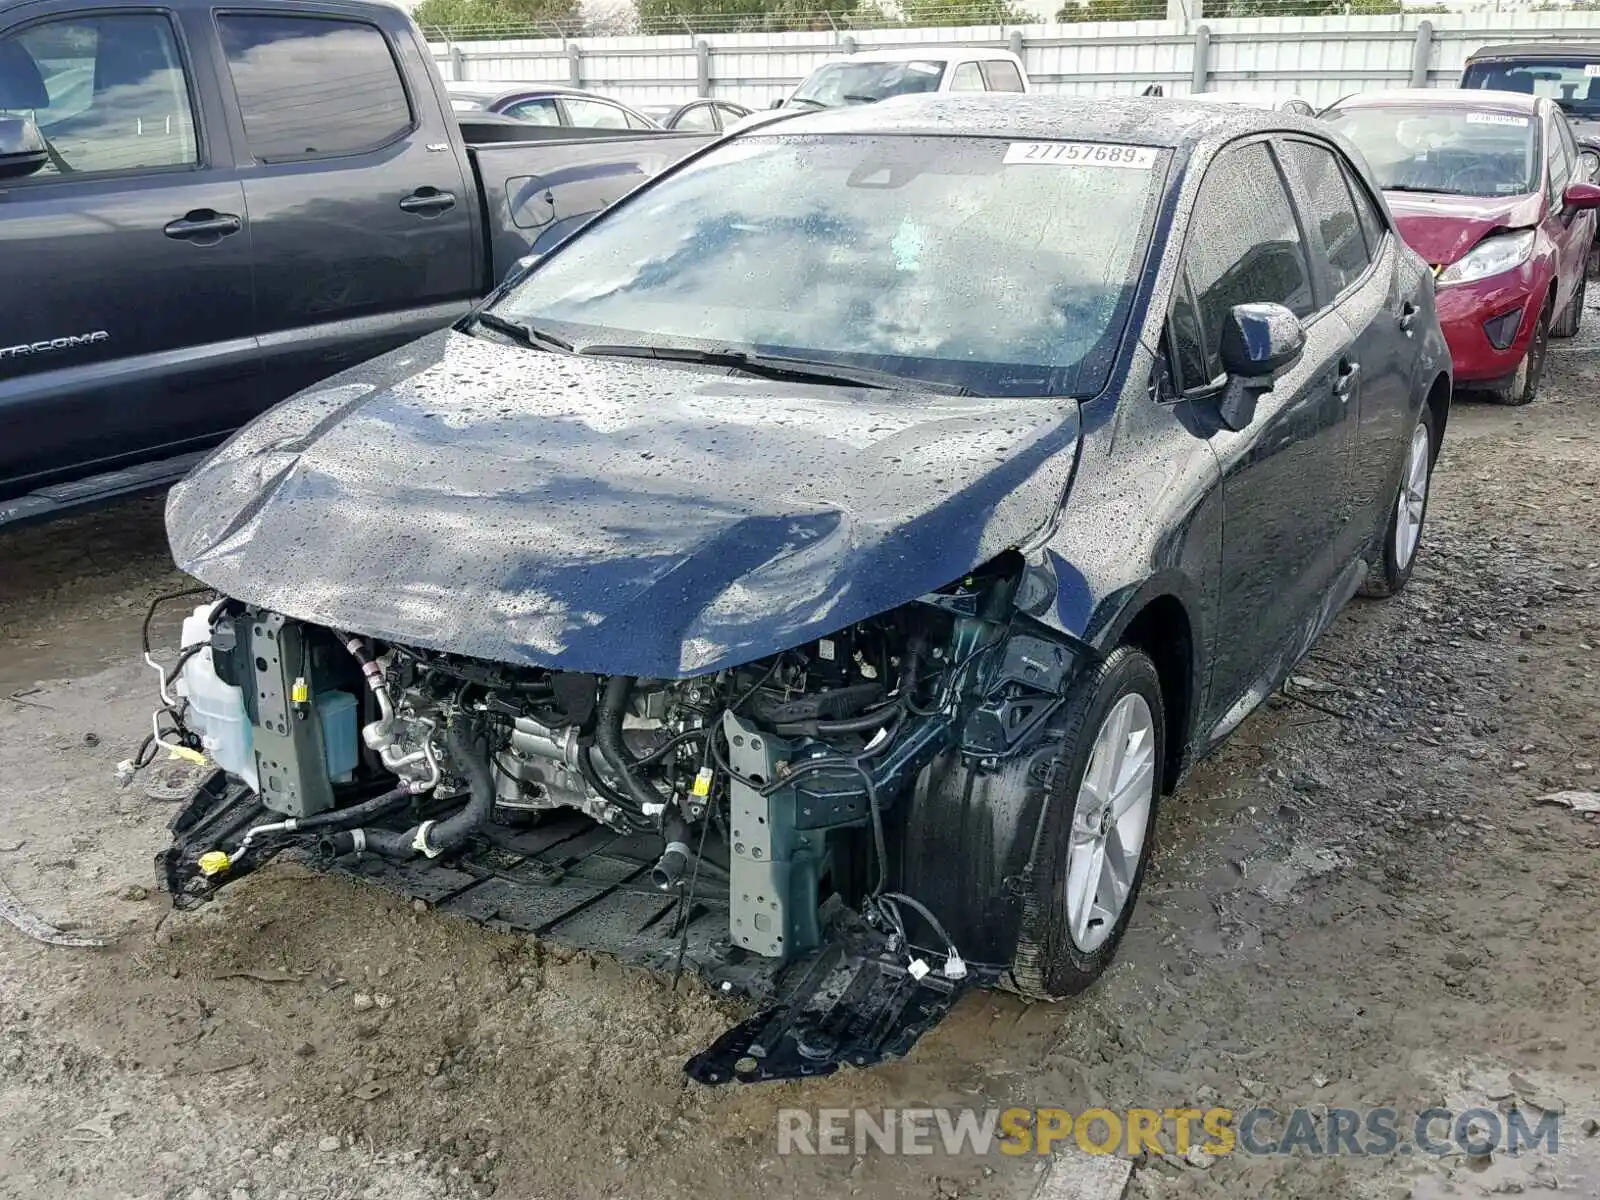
{"x": 22, "y": 148}
{"x": 1259, "y": 343}
{"x": 778, "y": 103}
{"x": 1581, "y": 197}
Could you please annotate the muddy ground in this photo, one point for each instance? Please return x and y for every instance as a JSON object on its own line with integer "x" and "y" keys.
{"x": 1361, "y": 902}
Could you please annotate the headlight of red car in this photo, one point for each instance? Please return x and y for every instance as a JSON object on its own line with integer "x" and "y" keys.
{"x": 1494, "y": 255}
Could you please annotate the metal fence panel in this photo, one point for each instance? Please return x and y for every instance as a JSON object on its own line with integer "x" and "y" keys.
{"x": 1322, "y": 58}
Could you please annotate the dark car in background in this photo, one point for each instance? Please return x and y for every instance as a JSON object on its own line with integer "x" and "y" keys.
{"x": 699, "y": 116}
{"x": 1485, "y": 186}
{"x": 1567, "y": 73}
{"x": 204, "y": 210}
{"x": 841, "y": 544}
{"x": 547, "y": 104}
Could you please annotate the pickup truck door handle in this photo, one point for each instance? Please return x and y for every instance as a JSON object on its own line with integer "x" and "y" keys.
{"x": 204, "y": 226}
{"x": 1407, "y": 317}
{"x": 1345, "y": 381}
{"x": 428, "y": 201}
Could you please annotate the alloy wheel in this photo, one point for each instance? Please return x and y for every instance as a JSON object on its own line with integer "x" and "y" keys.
{"x": 1110, "y": 822}
{"x": 1413, "y": 499}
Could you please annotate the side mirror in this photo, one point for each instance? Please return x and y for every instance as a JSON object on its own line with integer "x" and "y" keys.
{"x": 1580, "y": 197}
{"x": 1259, "y": 342}
{"x": 22, "y": 148}
{"x": 778, "y": 103}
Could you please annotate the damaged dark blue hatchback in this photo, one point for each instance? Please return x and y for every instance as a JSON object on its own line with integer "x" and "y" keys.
{"x": 815, "y": 571}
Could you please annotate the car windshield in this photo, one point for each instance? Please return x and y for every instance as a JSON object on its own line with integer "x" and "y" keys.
{"x": 1005, "y": 268}
{"x": 1573, "y": 83}
{"x": 1455, "y": 151}
{"x": 864, "y": 82}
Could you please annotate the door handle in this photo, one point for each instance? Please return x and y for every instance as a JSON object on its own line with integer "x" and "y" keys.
{"x": 204, "y": 226}
{"x": 1407, "y": 317}
{"x": 1344, "y": 383}
{"x": 428, "y": 201}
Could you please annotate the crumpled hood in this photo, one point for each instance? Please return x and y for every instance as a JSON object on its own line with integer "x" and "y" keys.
{"x": 612, "y": 516}
{"x": 1443, "y": 228}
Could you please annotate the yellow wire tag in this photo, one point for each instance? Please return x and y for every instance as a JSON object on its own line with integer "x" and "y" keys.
{"x": 214, "y": 862}
{"x": 702, "y": 783}
{"x": 187, "y": 755}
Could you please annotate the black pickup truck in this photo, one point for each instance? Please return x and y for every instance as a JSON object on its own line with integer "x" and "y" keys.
{"x": 204, "y": 209}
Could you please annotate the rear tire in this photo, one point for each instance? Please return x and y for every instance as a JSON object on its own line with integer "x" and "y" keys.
{"x": 1067, "y": 941}
{"x": 1525, "y": 384}
{"x": 1390, "y": 570}
{"x": 1567, "y": 326}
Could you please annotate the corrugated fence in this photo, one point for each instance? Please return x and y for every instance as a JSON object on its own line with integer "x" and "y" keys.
{"x": 1322, "y": 58}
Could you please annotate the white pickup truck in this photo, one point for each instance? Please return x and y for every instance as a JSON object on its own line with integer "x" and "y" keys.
{"x": 873, "y": 75}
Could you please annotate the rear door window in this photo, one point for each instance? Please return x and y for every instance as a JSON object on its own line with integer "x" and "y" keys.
{"x": 311, "y": 87}
{"x": 109, "y": 93}
{"x": 1001, "y": 75}
{"x": 966, "y": 78}
{"x": 699, "y": 117}
{"x": 593, "y": 114}
{"x": 1330, "y": 208}
{"x": 538, "y": 110}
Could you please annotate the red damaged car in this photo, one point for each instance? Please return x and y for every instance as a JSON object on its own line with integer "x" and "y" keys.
{"x": 1485, "y": 186}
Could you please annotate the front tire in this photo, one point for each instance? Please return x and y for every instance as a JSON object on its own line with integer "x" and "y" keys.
{"x": 1524, "y": 385}
{"x": 1390, "y": 571}
{"x": 1572, "y": 317}
{"x": 1105, "y": 785}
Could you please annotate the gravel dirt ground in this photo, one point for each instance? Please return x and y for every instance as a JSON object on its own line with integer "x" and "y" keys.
{"x": 1360, "y": 902}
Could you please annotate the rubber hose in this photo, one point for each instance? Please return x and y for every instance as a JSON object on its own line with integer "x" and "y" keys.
{"x": 350, "y": 818}
{"x": 674, "y": 861}
{"x": 630, "y": 816}
{"x": 608, "y": 739}
{"x": 871, "y": 720}
{"x": 473, "y": 762}
{"x": 439, "y": 837}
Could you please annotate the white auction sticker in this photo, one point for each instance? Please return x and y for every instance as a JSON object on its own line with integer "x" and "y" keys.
{"x": 1592, "y": 70}
{"x": 1081, "y": 154}
{"x": 1494, "y": 119}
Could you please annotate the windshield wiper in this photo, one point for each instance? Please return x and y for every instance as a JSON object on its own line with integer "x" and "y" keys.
{"x": 805, "y": 100}
{"x": 527, "y": 335}
{"x": 858, "y": 98}
{"x": 781, "y": 366}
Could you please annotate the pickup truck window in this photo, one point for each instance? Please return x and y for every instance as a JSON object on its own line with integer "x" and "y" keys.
{"x": 1002, "y": 76}
{"x": 310, "y": 87}
{"x": 108, "y": 93}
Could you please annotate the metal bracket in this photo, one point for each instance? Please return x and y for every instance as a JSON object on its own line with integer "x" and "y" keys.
{"x": 290, "y": 764}
{"x": 773, "y": 866}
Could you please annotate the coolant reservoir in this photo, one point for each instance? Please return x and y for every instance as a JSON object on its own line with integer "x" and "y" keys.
{"x": 216, "y": 709}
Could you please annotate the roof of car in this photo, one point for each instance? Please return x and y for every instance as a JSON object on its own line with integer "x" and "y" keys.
{"x": 1136, "y": 120}
{"x": 1493, "y": 101}
{"x": 1538, "y": 50}
{"x": 927, "y": 54}
{"x": 493, "y": 89}
{"x": 1261, "y": 99}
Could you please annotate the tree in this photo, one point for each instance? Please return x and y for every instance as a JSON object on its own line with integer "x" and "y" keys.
{"x": 963, "y": 12}
{"x": 490, "y": 18}
{"x": 1113, "y": 10}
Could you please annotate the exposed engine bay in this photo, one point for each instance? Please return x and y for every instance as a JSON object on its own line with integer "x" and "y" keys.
{"x": 747, "y": 824}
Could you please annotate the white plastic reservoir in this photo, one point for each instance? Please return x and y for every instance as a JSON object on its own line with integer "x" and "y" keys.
{"x": 216, "y": 709}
